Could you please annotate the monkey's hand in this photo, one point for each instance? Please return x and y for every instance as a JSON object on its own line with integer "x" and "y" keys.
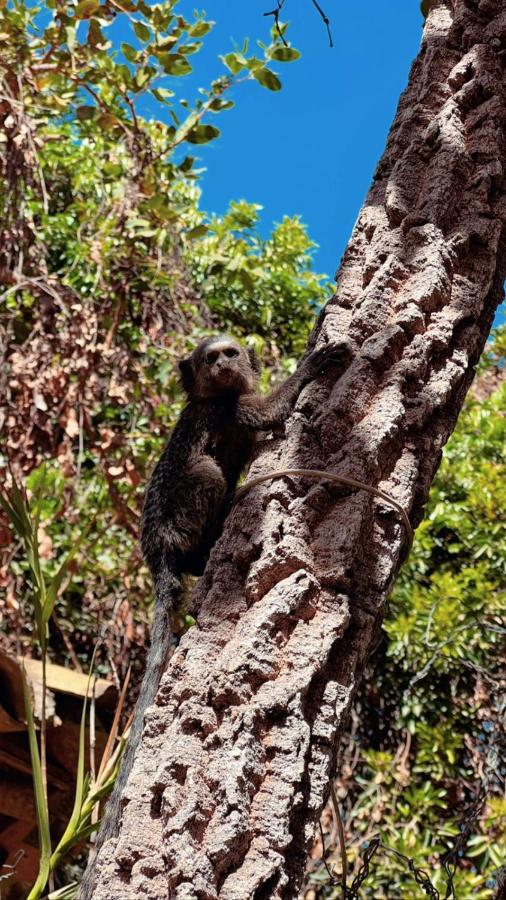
{"x": 320, "y": 360}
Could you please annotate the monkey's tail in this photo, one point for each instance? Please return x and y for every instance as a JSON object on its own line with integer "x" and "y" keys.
{"x": 168, "y": 591}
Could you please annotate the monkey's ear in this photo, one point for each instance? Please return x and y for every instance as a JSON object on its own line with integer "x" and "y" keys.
{"x": 254, "y": 360}
{"x": 187, "y": 376}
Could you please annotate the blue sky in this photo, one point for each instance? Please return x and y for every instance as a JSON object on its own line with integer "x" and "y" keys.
{"x": 311, "y": 148}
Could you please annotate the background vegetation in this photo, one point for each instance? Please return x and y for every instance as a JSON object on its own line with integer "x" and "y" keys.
{"x": 110, "y": 271}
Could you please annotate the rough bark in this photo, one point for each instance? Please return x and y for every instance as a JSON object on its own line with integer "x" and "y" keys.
{"x": 238, "y": 751}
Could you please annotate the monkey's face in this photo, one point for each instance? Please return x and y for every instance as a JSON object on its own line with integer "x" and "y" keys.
{"x": 217, "y": 366}
{"x": 224, "y": 368}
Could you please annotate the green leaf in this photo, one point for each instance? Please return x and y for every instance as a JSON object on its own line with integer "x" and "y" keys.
{"x": 11, "y": 514}
{"x": 164, "y": 45}
{"x": 202, "y": 134}
{"x": 95, "y": 37}
{"x": 20, "y": 511}
{"x": 267, "y": 79}
{"x": 188, "y": 49}
{"x": 162, "y": 94}
{"x": 15, "y": 505}
{"x": 130, "y": 53}
{"x": 84, "y": 113}
{"x": 198, "y": 231}
{"x": 175, "y": 64}
{"x": 187, "y": 163}
{"x": 107, "y": 120}
{"x": 162, "y": 210}
{"x": 143, "y": 76}
{"x": 280, "y": 53}
{"x": 72, "y": 832}
{"x": 218, "y": 104}
{"x": 254, "y": 63}
{"x": 234, "y": 62}
{"x": 69, "y": 892}
{"x": 114, "y": 170}
{"x": 200, "y": 29}
{"x": 86, "y": 8}
{"x": 40, "y": 799}
{"x": 278, "y": 28}
{"x": 145, "y": 9}
{"x": 155, "y": 202}
{"x": 142, "y": 31}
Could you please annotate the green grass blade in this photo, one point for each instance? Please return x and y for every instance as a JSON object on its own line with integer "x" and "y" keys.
{"x": 81, "y": 834}
{"x": 19, "y": 504}
{"x": 70, "y": 834}
{"x": 11, "y": 513}
{"x": 69, "y": 892}
{"x": 15, "y": 506}
{"x": 40, "y": 800}
{"x": 75, "y": 823}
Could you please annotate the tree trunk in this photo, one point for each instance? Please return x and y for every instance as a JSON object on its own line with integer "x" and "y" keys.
{"x": 237, "y": 753}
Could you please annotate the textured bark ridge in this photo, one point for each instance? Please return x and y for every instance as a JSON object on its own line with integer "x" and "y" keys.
{"x": 237, "y": 753}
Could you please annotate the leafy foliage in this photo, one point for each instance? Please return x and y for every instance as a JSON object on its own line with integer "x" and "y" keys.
{"x": 110, "y": 271}
{"x": 264, "y": 288}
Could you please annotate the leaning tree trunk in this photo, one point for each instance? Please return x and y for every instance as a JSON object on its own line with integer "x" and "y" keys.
{"x": 237, "y": 753}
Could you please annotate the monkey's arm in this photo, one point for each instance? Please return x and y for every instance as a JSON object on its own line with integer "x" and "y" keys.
{"x": 262, "y": 413}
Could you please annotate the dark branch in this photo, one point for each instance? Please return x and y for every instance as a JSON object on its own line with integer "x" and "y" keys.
{"x": 275, "y": 14}
{"x": 326, "y": 21}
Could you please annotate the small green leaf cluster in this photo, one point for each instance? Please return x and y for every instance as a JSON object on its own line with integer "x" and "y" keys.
{"x": 279, "y": 50}
{"x": 265, "y": 288}
{"x": 120, "y": 272}
{"x": 103, "y": 184}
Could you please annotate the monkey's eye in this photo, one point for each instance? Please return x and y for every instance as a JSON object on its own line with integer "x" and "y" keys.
{"x": 231, "y": 352}
{"x": 211, "y": 357}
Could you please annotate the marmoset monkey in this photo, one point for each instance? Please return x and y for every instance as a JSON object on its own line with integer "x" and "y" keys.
{"x": 192, "y": 487}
